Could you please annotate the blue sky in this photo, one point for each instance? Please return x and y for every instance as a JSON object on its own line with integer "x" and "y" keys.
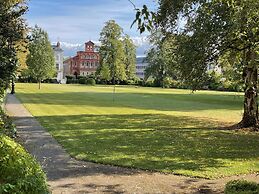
{"x": 77, "y": 21}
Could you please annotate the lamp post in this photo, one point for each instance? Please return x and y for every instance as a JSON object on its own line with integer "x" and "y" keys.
{"x": 13, "y": 85}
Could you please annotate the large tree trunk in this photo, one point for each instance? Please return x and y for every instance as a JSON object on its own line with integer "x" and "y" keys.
{"x": 39, "y": 84}
{"x": 250, "y": 75}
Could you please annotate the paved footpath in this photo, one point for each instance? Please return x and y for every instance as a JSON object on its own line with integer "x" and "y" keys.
{"x": 67, "y": 175}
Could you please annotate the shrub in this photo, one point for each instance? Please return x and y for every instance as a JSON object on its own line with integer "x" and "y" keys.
{"x": 167, "y": 82}
{"x": 6, "y": 125}
{"x": 90, "y": 81}
{"x": 69, "y": 77}
{"x": 131, "y": 82}
{"x": 149, "y": 83}
{"x": 19, "y": 172}
{"x": 69, "y": 81}
{"x": 82, "y": 80}
{"x": 81, "y": 77}
{"x": 241, "y": 187}
{"x": 175, "y": 84}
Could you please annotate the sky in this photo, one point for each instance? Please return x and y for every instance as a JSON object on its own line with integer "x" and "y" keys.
{"x": 74, "y": 22}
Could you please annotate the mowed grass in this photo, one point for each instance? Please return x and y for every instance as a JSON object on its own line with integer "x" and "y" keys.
{"x": 167, "y": 130}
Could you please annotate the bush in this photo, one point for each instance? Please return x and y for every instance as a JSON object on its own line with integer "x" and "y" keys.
{"x": 90, "y": 81}
{"x": 72, "y": 81}
{"x": 19, "y": 172}
{"x": 69, "y": 77}
{"x": 51, "y": 81}
{"x": 82, "y": 80}
{"x": 131, "y": 82}
{"x": 81, "y": 77}
{"x": 149, "y": 83}
{"x": 241, "y": 187}
{"x": 167, "y": 82}
{"x": 6, "y": 125}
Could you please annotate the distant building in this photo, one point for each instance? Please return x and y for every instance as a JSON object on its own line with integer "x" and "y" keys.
{"x": 84, "y": 63}
{"x": 141, "y": 65}
{"x": 59, "y": 55}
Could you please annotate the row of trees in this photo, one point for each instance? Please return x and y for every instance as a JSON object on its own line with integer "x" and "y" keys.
{"x": 117, "y": 53}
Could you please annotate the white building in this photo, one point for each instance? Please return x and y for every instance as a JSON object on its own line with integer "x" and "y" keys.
{"x": 59, "y": 57}
{"x": 141, "y": 65}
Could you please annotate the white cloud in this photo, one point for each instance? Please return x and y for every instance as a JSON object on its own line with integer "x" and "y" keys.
{"x": 81, "y": 22}
{"x": 140, "y": 40}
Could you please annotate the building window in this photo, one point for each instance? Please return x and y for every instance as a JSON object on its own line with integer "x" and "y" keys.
{"x": 87, "y": 64}
{"x": 57, "y": 66}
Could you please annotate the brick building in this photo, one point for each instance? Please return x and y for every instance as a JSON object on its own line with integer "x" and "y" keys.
{"x": 84, "y": 63}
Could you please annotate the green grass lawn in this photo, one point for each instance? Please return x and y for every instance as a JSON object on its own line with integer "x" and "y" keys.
{"x": 165, "y": 130}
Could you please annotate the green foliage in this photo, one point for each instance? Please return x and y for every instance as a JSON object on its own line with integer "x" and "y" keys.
{"x": 69, "y": 76}
{"x": 11, "y": 33}
{"x": 2, "y": 89}
{"x": 241, "y": 187}
{"x": 90, "y": 81}
{"x": 161, "y": 59}
{"x": 72, "y": 81}
{"x": 117, "y": 54}
{"x": 130, "y": 57}
{"x": 209, "y": 31}
{"x": 19, "y": 172}
{"x": 6, "y": 125}
{"x": 40, "y": 60}
{"x": 144, "y": 19}
{"x": 82, "y": 80}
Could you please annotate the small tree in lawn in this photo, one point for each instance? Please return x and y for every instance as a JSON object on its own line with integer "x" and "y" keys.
{"x": 40, "y": 60}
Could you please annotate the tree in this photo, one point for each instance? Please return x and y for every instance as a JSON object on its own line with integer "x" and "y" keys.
{"x": 130, "y": 57}
{"x": 11, "y": 33}
{"x": 22, "y": 52}
{"x": 112, "y": 64}
{"x": 40, "y": 60}
{"x": 210, "y": 30}
{"x": 160, "y": 58}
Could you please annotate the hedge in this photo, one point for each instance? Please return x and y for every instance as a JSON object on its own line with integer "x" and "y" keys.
{"x": 19, "y": 171}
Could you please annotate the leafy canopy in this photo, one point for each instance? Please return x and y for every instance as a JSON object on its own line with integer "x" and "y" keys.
{"x": 118, "y": 54}
{"x": 40, "y": 61}
{"x": 11, "y": 33}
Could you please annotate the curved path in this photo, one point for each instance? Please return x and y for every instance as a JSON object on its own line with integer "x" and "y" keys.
{"x": 67, "y": 175}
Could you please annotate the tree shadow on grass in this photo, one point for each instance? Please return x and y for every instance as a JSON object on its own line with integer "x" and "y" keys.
{"x": 145, "y": 101}
{"x": 182, "y": 145}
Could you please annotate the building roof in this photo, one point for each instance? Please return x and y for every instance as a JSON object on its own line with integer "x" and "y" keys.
{"x": 57, "y": 47}
{"x": 89, "y": 42}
